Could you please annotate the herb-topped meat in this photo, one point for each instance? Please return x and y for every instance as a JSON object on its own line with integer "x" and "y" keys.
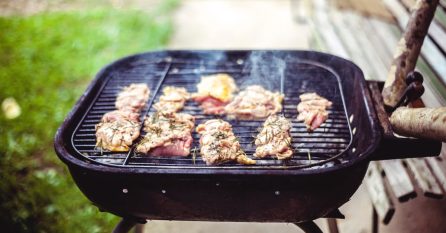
{"x": 219, "y": 144}
{"x": 254, "y": 103}
{"x": 119, "y": 115}
{"x": 274, "y": 138}
{"x": 167, "y": 134}
{"x": 313, "y": 110}
{"x": 214, "y": 92}
{"x": 133, "y": 98}
{"x": 172, "y": 100}
{"x": 117, "y": 130}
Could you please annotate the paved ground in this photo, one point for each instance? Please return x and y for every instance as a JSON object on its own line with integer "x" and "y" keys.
{"x": 234, "y": 24}
{"x": 249, "y": 24}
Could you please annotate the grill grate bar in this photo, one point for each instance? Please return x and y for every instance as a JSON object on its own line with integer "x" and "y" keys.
{"x": 149, "y": 105}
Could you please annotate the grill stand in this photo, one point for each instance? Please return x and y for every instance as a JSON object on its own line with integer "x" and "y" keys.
{"x": 308, "y": 227}
{"x": 126, "y": 224}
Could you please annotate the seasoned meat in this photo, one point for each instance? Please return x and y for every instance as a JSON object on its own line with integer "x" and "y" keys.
{"x": 167, "y": 134}
{"x": 172, "y": 100}
{"x": 214, "y": 92}
{"x": 117, "y": 130}
{"x": 118, "y": 115}
{"x": 254, "y": 103}
{"x": 274, "y": 138}
{"x": 219, "y": 144}
{"x": 133, "y": 97}
{"x": 313, "y": 110}
{"x": 211, "y": 105}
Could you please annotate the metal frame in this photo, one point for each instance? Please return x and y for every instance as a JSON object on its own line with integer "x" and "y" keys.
{"x": 126, "y": 224}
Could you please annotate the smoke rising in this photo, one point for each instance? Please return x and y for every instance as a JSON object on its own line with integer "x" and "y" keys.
{"x": 266, "y": 69}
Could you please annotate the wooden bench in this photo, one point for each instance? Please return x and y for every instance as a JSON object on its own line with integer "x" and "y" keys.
{"x": 370, "y": 43}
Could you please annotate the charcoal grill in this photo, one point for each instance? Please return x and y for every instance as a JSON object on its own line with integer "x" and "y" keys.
{"x": 326, "y": 169}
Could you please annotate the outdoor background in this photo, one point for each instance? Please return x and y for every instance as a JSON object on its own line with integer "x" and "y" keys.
{"x": 50, "y": 51}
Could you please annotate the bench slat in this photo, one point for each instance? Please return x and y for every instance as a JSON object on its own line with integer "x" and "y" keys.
{"x": 440, "y": 17}
{"x": 424, "y": 178}
{"x": 438, "y": 171}
{"x": 443, "y": 4}
{"x": 323, "y": 26}
{"x": 378, "y": 193}
{"x": 356, "y": 24}
{"x": 429, "y": 51}
{"x": 398, "y": 179}
{"x": 356, "y": 53}
{"x": 435, "y": 93}
{"x": 436, "y": 31}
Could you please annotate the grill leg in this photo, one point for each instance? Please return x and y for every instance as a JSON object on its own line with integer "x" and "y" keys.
{"x": 332, "y": 225}
{"x": 124, "y": 226}
{"x": 309, "y": 227}
{"x": 139, "y": 228}
{"x": 375, "y": 221}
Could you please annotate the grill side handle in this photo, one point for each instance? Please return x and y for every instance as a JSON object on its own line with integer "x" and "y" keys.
{"x": 420, "y": 122}
{"x": 401, "y": 148}
{"x": 393, "y": 146}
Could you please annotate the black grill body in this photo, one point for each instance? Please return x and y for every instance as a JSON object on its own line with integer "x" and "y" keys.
{"x": 326, "y": 169}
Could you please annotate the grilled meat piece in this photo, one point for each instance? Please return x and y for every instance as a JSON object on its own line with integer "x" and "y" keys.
{"x": 214, "y": 92}
{"x": 167, "y": 134}
{"x": 313, "y": 110}
{"x": 254, "y": 103}
{"x": 274, "y": 138}
{"x": 172, "y": 100}
{"x": 119, "y": 115}
{"x": 211, "y": 105}
{"x": 117, "y": 130}
{"x": 219, "y": 144}
{"x": 133, "y": 97}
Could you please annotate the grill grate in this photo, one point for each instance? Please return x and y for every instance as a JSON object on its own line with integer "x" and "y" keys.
{"x": 323, "y": 147}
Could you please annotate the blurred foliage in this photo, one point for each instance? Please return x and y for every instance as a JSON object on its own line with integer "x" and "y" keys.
{"x": 46, "y": 62}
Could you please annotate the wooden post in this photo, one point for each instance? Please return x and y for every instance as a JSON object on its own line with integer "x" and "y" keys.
{"x": 408, "y": 50}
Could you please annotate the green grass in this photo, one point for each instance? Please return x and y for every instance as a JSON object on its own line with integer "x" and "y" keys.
{"x": 46, "y": 62}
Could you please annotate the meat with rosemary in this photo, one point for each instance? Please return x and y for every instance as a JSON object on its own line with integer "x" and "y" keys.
{"x": 117, "y": 130}
{"x": 313, "y": 110}
{"x": 172, "y": 100}
{"x": 274, "y": 138}
{"x": 254, "y": 103}
{"x": 167, "y": 134}
{"x": 218, "y": 144}
{"x": 214, "y": 92}
{"x": 133, "y": 97}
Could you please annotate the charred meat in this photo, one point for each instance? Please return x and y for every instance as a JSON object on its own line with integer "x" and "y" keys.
{"x": 172, "y": 100}
{"x": 274, "y": 138}
{"x": 133, "y": 98}
{"x": 117, "y": 130}
{"x": 214, "y": 92}
{"x": 254, "y": 103}
{"x": 313, "y": 110}
{"x": 219, "y": 144}
{"x": 167, "y": 134}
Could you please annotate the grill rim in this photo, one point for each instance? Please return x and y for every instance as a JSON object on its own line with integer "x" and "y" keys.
{"x": 65, "y": 155}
